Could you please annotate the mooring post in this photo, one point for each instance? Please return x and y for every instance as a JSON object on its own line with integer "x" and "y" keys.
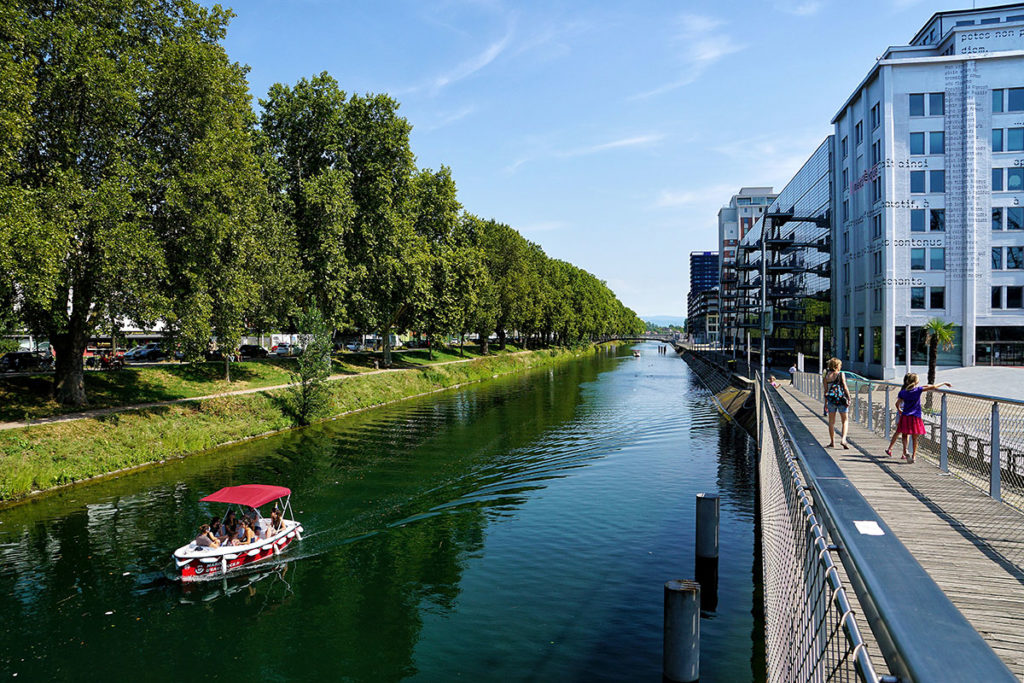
{"x": 707, "y": 525}
{"x": 681, "y": 655}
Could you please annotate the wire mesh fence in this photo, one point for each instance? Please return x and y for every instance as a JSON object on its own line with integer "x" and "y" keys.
{"x": 962, "y": 431}
{"x": 810, "y": 630}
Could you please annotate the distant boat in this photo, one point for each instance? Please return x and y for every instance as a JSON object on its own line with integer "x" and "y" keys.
{"x": 636, "y": 354}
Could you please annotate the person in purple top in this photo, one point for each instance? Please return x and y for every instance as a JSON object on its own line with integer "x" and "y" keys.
{"x": 908, "y": 405}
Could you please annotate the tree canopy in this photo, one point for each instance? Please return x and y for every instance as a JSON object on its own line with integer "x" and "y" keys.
{"x": 138, "y": 184}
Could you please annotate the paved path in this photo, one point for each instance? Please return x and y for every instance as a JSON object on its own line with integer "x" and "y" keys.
{"x": 85, "y": 414}
{"x": 971, "y": 545}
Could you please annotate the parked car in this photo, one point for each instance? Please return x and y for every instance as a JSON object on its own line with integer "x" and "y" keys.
{"x": 252, "y": 351}
{"x": 148, "y": 352}
{"x": 283, "y": 349}
{"x": 17, "y": 361}
{"x": 354, "y": 346}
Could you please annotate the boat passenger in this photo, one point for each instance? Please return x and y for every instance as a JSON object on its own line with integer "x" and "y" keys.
{"x": 276, "y": 522}
{"x": 246, "y": 534}
{"x": 217, "y": 529}
{"x": 206, "y": 539}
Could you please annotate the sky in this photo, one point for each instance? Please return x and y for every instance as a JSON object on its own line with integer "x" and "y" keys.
{"x": 609, "y": 133}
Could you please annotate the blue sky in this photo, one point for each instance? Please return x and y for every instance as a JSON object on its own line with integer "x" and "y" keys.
{"x": 608, "y": 132}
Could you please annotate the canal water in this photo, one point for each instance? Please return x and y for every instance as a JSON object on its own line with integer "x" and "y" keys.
{"x": 520, "y": 530}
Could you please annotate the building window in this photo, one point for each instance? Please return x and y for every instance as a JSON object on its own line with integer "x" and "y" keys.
{"x": 936, "y": 104}
{"x": 937, "y": 142}
{"x": 1015, "y": 258}
{"x": 938, "y": 297}
{"x": 917, "y": 297}
{"x": 1015, "y": 179}
{"x": 997, "y": 297}
{"x": 846, "y": 179}
{"x": 846, "y": 274}
{"x": 917, "y": 220}
{"x": 938, "y": 222}
{"x": 997, "y": 139}
{"x": 846, "y": 208}
{"x": 937, "y": 258}
{"x": 846, "y": 241}
{"x": 1015, "y": 99}
{"x": 876, "y": 226}
{"x": 858, "y": 133}
{"x": 877, "y": 262}
{"x": 997, "y": 101}
{"x": 878, "y": 299}
{"x": 1015, "y": 139}
{"x": 917, "y": 258}
{"x": 937, "y": 180}
{"x": 876, "y": 115}
{"x": 997, "y": 180}
{"x": 997, "y": 218}
{"x": 876, "y": 189}
{"x": 1015, "y": 297}
{"x": 845, "y": 147}
{"x": 997, "y": 258}
{"x": 1015, "y": 218}
{"x": 876, "y": 152}
{"x": 917, "y": 105}
{"x": 917, "y": 143}
{"x": 916, "y": 182}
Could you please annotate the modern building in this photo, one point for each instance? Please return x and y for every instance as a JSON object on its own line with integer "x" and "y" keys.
{"x": 794, "y": 260}
{"x": 703, "y": 279}
{"x": 928, "y": 191}
{"x": 735, "y": 220}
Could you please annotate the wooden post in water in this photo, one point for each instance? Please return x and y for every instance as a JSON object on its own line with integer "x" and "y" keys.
{"x": 681, "y": 655}
{"x": 707, "y": 525}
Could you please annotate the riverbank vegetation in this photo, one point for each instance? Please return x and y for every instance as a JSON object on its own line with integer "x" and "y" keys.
{"x": 139, "y": 185}
{"x": 29, "y": 397}
{"x": 45, "y": 456}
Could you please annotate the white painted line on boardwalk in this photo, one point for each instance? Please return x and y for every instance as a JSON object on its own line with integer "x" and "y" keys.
{"x": 869, "y": 528}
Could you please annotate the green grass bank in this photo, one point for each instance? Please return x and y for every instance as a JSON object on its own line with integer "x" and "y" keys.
{"x": 46, "y": 456}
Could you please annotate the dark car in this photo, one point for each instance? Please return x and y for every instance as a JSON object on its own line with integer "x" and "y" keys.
{"x": 252, "y": 351}
{"x": 16, "y": 361}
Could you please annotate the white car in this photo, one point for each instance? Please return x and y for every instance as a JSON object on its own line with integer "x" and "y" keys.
{"x": 283, "y": 350}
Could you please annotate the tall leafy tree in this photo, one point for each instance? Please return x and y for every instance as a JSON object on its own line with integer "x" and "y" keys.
{"x": 134, "y": 107}
{"x": 388, "y": 257}
{"x": 303, "y": 127}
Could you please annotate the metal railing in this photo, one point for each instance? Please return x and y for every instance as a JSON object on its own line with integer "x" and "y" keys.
{"x": 810, "y": 630}
{"x": 976, "y": 437}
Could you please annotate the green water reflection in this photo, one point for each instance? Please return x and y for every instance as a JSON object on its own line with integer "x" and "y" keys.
{"x": 520, "y": 530}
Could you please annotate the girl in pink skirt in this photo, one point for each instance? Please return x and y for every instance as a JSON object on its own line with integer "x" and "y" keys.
{"x": 908, "y": 405}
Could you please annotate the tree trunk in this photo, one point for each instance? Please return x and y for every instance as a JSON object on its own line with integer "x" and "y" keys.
{"x": 462, "y": 343}
{"x": 485, "y": 343}
{"x": 933, "y": 358}
{"x": 501, "y": 338}
{"x": 69, "y": 368}
{"x": 227, "y": 367}
{"x": 430, "y": 346}
{"x": 387, "y": 348}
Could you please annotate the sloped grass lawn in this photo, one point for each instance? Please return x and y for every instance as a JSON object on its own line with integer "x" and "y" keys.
{"x": 49, "y": 455}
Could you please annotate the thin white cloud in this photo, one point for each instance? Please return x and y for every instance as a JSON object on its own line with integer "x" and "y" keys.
{"x": 800, "y": 8}
{"x": 448, "y": 118}
{"x": 701, "y": 45}
{"x": 717, "y": 194}
{"x": 633, "y": 141}
{"x": 465, "y": 69}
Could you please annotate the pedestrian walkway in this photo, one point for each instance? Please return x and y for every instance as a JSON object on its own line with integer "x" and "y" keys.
{"x": 971, "y": 545}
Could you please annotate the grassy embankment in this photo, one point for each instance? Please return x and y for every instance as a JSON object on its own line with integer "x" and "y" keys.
{"x": 45, "y": 456}
{"x": 29, "y": 397}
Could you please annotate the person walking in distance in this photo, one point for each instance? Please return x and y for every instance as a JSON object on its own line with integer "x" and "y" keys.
{"x": 908, "y": 403}
{"x": 837, "y": 400}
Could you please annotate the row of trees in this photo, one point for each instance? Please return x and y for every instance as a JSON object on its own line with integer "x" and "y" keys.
{"x": 137, "y": 183}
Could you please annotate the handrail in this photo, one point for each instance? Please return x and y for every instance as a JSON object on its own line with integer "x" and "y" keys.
{"x": 921, "y": 634}
{"x": 951, "y": 392}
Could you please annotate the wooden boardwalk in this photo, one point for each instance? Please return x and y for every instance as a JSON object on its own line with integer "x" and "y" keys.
{"x": 971, "y": 545}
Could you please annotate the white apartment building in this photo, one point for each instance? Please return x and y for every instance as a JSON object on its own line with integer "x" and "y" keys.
{"x": 735, "y": 220}
{"x": 929, "y": 197}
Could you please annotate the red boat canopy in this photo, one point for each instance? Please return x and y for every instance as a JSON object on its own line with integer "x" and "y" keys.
{"x": 252, "y": 495}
